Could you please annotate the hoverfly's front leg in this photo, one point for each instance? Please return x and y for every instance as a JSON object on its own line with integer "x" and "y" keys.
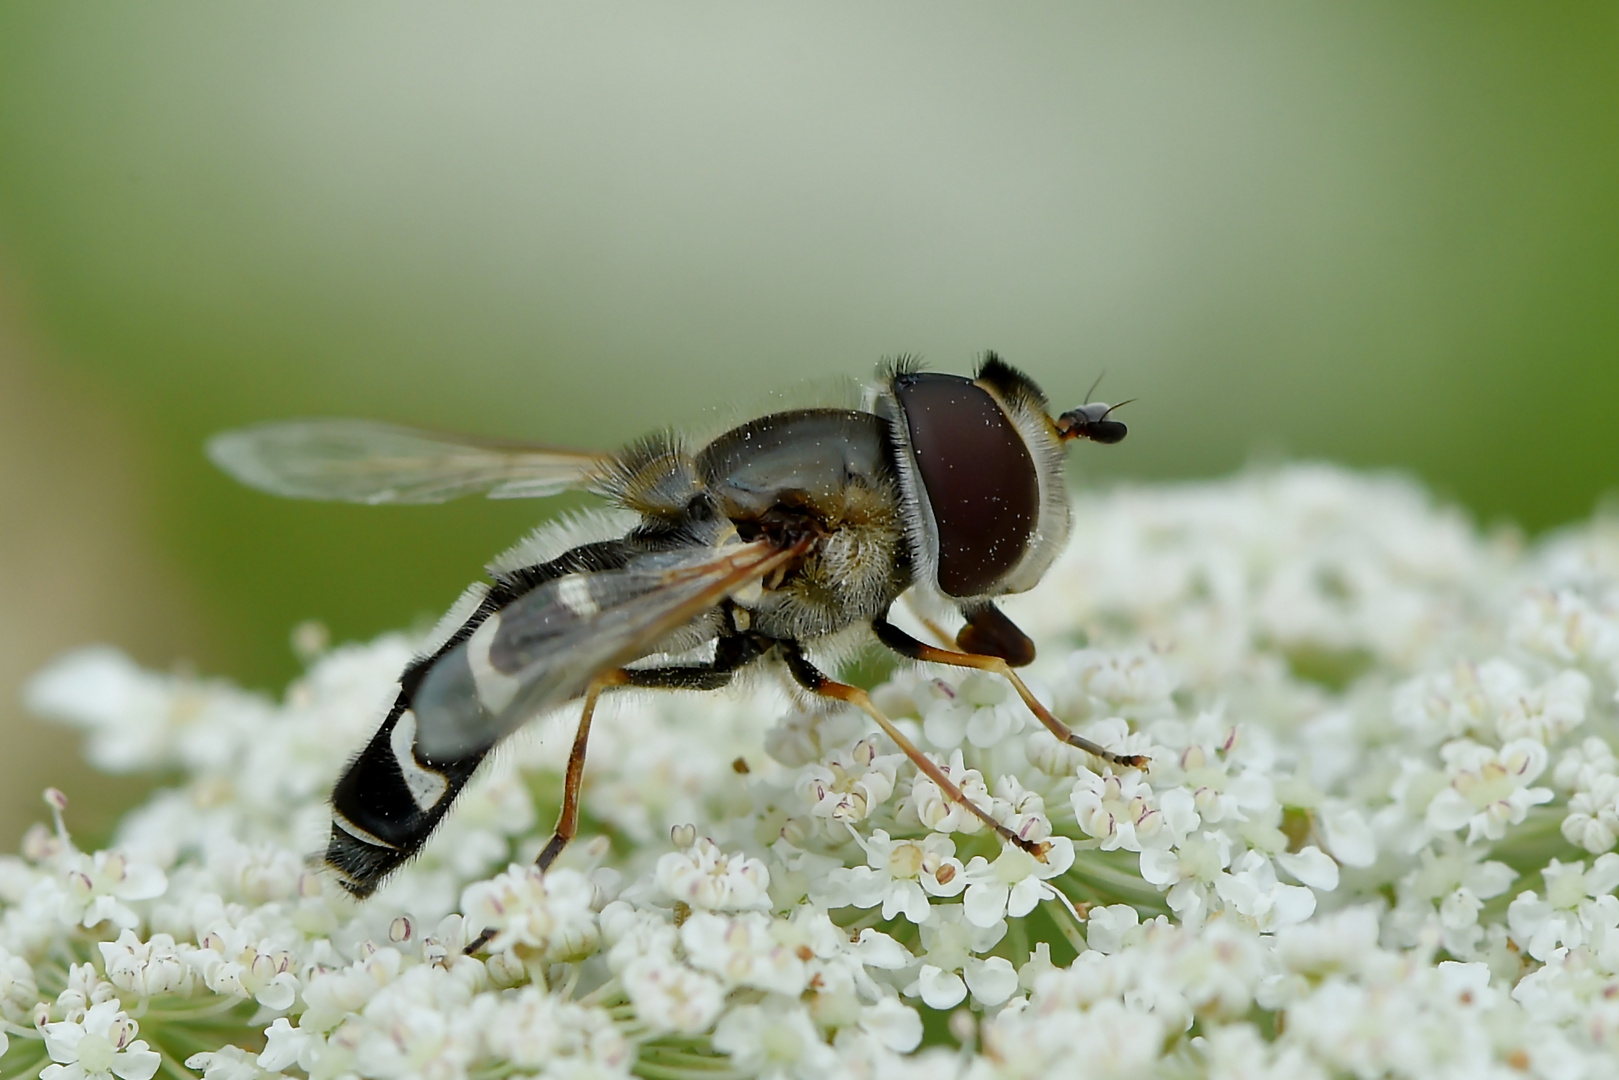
{"x": 816, "y": 682}
{"x": 908, "y": 646}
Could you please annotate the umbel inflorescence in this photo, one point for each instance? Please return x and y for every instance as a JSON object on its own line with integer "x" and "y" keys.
{"x": 1376, "y": 839}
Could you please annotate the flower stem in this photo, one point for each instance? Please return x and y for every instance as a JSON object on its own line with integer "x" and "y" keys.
{"x": 1065, "y": 924}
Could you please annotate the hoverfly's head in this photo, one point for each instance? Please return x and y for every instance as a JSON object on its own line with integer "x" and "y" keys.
{"x": 980, "y": 464}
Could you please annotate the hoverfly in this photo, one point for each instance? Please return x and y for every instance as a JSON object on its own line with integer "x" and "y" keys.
{"x": 777, "y": 534}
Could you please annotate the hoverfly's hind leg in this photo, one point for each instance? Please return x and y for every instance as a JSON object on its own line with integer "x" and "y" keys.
{"x": 904, "y": 644}
{"x": 816, "y": 682}
{"x": 568, "y": 817}
{"x": 730, "y": 653}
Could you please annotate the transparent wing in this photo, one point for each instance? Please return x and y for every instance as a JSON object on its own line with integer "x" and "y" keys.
{"x": 366, "y": 462}
{"x": 545, "y": 647}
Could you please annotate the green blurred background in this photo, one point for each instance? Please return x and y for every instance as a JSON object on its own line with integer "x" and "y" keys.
{"x": 1382, "y": 234}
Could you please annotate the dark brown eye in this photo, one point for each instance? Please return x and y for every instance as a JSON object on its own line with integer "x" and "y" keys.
{"x": 979, "y": 477}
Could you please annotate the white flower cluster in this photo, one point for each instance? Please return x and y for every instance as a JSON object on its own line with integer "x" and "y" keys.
{"x": 1376, "y": 838}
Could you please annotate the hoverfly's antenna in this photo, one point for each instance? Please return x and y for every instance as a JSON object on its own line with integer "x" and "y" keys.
{"x": 1100, "y": 376}
{"x": 1090, "y": 421}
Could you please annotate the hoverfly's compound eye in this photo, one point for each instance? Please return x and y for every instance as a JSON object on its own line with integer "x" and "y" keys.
{"x": 978, "y": 476}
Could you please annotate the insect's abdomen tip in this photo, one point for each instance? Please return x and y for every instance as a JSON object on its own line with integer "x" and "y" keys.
{"x": 360, "y": 890}
{"x": 358, "y": 866}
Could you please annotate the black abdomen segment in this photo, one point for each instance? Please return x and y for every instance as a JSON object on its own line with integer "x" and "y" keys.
{"x": 389, "y": 801}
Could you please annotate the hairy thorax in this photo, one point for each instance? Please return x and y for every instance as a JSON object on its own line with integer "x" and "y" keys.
{"x": 822, "y": 473}
{"x": 853, "y": 573}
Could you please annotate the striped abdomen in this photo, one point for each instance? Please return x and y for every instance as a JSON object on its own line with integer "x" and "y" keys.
{"x": 453, "y": 706}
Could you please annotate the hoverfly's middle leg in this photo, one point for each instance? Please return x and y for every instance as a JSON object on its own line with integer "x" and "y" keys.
{"x": 908, "y": 646}
{"x": 928, "y": 622}
{"x": 816, "y": 682}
